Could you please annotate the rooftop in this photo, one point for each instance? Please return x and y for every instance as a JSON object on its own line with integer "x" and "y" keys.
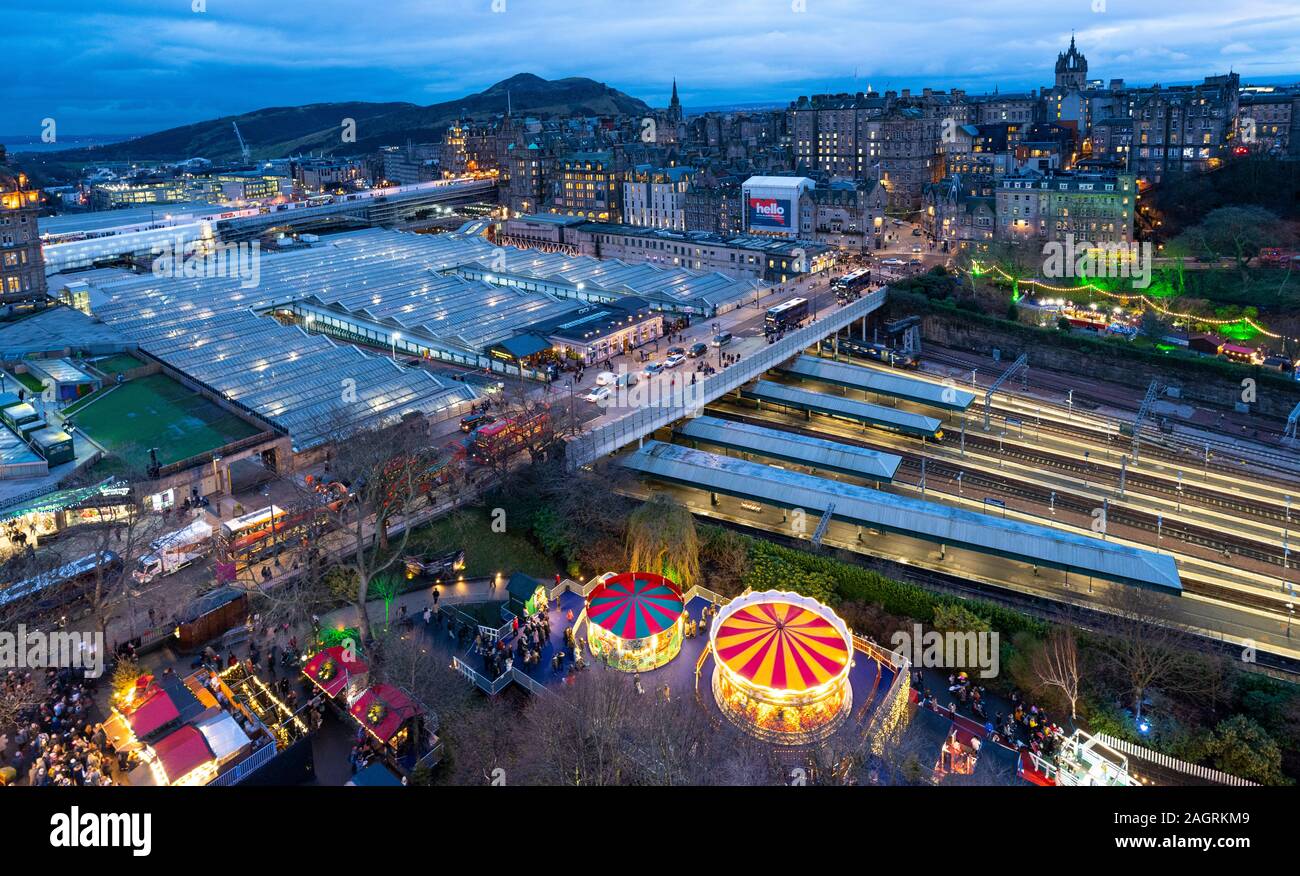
{"x": 881, "y": 382}
{"x": 791, "y": 447}
{"x": 942, "y": 524}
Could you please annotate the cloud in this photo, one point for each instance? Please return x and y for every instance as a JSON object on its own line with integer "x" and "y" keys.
{"x": 137, "y": 65}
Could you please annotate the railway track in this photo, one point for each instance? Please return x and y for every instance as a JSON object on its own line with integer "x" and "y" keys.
{"x": 1190, "y": 533}
{"x": 1092, "y": 620}
{"x": 1280, "y": 463}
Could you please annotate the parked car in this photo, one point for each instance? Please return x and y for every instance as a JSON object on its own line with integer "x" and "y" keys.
{"x": 606, "y": 378}
{"x": 916, "y": 232}
{"x": 473, "y": 421}
{"x": 698, "y": 350}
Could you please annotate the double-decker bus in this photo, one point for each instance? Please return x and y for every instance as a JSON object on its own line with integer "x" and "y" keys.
{"x": 254, "y": 535}
{"x": 504, "y": 438}
{"x": 851, "y": 286}
{"x": 786, "y": 315}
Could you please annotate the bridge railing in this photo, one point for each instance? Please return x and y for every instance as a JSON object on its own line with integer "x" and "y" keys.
{"x": 586, "y": 449}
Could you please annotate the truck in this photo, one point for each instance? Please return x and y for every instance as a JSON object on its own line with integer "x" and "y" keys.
{"x": 438, "y": 568}
{"x": 174, "y": 551}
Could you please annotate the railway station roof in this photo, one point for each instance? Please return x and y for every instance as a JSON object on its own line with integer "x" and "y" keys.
{"x": 766, "y": 390}
{"x": 957, "y": 527}
{"x": 949, "y": 398}
{"x": 792, "y": 447}
{"x": 210, "y": 329}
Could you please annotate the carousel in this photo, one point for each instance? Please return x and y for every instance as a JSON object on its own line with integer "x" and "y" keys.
{"x": 634, "y": 621}
{"x": 781, "y": 667}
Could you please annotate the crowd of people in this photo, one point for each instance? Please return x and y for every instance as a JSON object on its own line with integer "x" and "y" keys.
{"x": 55, "y": 743}
{"x": 1025, "y": 726}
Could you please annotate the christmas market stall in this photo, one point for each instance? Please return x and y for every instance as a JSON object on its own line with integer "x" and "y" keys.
{"x": 781, "y": 666}
{"x": 397, "y": 726}
{"x": 634, "y": 621}
{"x": 335, "y": 670}
{"x": 527, "y": 597}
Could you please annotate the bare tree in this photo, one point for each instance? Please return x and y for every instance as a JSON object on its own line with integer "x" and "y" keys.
{"x": 121, "y": 523}
{"x": 1144, "y": 646}
{"x": 1056, "y": 665}
{"x": 389, "y": 473}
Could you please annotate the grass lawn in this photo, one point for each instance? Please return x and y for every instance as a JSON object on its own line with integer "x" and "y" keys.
{"x": 486, "y": 552}
{"x": 119, "y": 363}
{"x": 31, "y": 381}
{"x": 156, "y": 411}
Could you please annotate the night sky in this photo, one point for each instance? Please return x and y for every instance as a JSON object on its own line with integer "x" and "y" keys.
{"x": 131, "y": 66}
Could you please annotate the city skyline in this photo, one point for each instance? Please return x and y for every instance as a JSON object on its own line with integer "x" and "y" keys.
{"x": 139, "y": 70}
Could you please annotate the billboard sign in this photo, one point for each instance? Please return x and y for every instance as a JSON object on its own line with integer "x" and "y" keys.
{"x": 770, "y": 214}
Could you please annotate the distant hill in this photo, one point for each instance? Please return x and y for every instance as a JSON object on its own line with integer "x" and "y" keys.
{"x": 277, "y": 132}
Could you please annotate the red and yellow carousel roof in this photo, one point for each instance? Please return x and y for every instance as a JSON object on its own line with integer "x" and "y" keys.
{"x": 777, "y": 644}
{"x": 635, "y": 605}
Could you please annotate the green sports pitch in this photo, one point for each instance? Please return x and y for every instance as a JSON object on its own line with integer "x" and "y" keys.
{"x": 156, "y": 411}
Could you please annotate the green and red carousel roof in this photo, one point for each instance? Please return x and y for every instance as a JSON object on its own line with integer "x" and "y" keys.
{"x": 635, "y": 605}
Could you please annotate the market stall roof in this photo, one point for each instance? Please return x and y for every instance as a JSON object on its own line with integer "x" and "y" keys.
{"x": 635, "y": 605}
{"x": 521, "y": 586}
{"x": 780, "y": 645}
{"x": 154, "y": 712}
{"x": 382, "y": 710}
{"x": 375, "y": 776}
{"x": 223, "y": 735}
{"x": 208, "y": 602}
{"x": 182, "y": 752}
{"x": 330, "y": 669}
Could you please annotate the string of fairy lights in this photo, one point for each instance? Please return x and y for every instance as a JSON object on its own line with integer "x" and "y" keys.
{"x": 978, "y": 270}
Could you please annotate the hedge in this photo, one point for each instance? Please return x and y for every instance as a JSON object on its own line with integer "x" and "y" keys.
{"x": 774, "y": 567}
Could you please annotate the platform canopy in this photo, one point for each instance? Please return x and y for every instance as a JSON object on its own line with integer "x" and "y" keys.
{"x": 635, "y": 605}
{"x": 942, "y": 524}
{"x": 837, "y": 406}
{"x": 925, "y": 392}
{"x": 818, "y": 453}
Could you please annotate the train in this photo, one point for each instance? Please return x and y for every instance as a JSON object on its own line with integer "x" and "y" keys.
{"x": 874, "y": 352}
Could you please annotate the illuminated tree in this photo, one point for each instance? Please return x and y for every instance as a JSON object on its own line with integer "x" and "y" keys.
{"x": 661, "y": 538}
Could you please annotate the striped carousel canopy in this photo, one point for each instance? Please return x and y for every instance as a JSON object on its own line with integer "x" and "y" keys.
{"x": 635, "y": 605}
{"x": 779, "y": 645}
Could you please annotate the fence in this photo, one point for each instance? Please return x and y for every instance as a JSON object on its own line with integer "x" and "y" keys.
{"x": 491, "y": 687}
{"x": 888, "y": 711}
{"x": 247, "y": 766}
{"x": 606, "y": 439}
{"x": 1172, "y": 763}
